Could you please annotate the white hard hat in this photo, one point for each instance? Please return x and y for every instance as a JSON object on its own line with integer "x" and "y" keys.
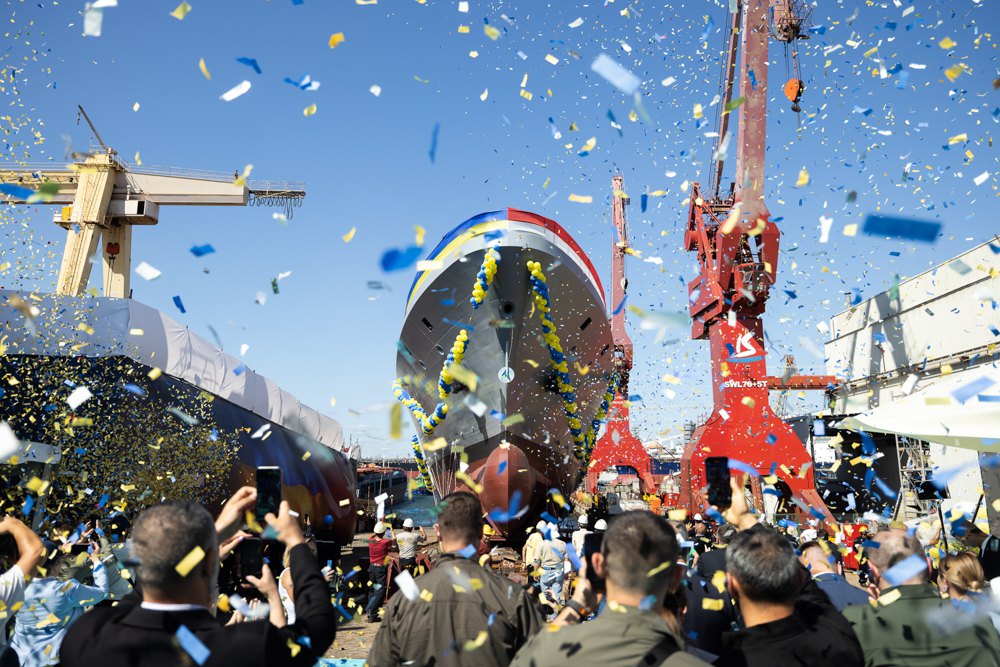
{"x": 582, "y": 520}
{"x": 808, "y": 535}
{"x": 697, "y": 517}
{"x": 540, "y": 525}
{"x": 379, "y": 528}
{"x": 601, "y": 525}
{"x": 408, "y": 523}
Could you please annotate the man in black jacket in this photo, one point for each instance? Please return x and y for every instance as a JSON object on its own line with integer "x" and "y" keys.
{"x": 177, "y": 548}
{"x": 787, "y": 623}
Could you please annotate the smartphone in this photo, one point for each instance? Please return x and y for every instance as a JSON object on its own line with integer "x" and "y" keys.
{"x": 76, "y": 549}
{"x": 720, "y": 493}
{"x": 591, "y": 545}
{"x": 251, "y": 557}
{"x": 268, "y": 492}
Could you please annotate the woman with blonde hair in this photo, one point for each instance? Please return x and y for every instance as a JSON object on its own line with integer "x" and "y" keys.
{"x": 961, "y": 578}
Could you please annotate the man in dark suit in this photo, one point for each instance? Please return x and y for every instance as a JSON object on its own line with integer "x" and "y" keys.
{"x": 714, "y": 560}
{"x": 176, "y": 546}
{"x": 821, "y": 563}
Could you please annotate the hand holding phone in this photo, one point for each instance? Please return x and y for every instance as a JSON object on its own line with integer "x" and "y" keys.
{"x": 720, "y": 494}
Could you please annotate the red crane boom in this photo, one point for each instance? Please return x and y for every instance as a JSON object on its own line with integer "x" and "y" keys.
{"x": 737, "y": 248}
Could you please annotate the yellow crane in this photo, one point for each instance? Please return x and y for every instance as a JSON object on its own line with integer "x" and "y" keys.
{"x": 101, "y": 198}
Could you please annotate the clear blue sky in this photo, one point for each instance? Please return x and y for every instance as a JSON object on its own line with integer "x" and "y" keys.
{"x": 366, "y": 164}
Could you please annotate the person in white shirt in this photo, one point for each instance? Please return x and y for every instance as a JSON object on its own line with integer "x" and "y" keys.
{"x": 30, "y": 554}
{"x": 407, "y": 542}
{"x": 580, "y": 535}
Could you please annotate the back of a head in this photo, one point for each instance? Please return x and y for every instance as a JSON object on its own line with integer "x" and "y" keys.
{"x": 963, "y": 572}
{"x": 163, "y": 535}
{"x": 637, "y": 543}
{"x": 460, "y": 518}
{"x": 727, "y": 533}
{"x": 764, "y": 565}
{"x": 817, "y": 558}
{"x": 893, "y": 546}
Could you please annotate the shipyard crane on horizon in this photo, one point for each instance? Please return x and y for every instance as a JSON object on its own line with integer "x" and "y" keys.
{"x": 737, "y": 250}
{"x": 618, "y": 445}
{"x": 102, "y": 198}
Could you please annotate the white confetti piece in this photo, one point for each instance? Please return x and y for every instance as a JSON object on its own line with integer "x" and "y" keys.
{"x": 375, "y": 90}
{"x": 463, "y": 7}
{"x": 407, "y": 586}
{"x": 238, "y": 90}
{"x": 981, "y": 178}
{"x": 615, "y": 74}
{"x": 825, "y": 223}
{"x": 9, "y": 444}
{"x": 577, "y": 23}
{"x": 147, "y": 271}
{"x": 93, "y": 20}
{"x": 77, "y": 397}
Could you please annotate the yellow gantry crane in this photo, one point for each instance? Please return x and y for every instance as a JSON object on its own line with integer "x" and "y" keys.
{"x": 102, "y": 198}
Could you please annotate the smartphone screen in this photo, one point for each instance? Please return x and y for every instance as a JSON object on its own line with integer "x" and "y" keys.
{"x": 592, "y": 545}
{"x": 717, "y": 474}
{"x": 251, "y": 557}
{"x": 268, "y": 492}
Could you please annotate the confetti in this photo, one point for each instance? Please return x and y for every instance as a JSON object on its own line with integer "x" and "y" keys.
{"x": 204, "y": 69}
{"x": 193, "y": 646}
{"x": 189, "y": 562}
{"x": 147, "y": 272}
{"x": 309, "y": 110}
{"x": 615, "y": 74}
{"x": 238, "y": 90}
{"x": 335, "y": 39}
{"x": 78, "y": 397}
{"x": 346, "y": 238}
{"x": 901, "y": 228}
{"x": 181, "y": 11}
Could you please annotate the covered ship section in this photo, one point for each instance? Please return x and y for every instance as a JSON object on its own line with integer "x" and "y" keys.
{"x": 125, "y": 407}
{"x": 506, "y": 363}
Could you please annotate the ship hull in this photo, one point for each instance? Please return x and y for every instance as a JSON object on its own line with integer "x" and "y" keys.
{"x": 510, "y": 438}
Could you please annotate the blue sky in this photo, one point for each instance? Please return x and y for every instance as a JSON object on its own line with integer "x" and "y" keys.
{"x": 366, "y": 160}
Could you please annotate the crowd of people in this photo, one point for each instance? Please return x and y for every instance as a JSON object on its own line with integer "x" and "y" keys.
{"x": 638, "y": 589}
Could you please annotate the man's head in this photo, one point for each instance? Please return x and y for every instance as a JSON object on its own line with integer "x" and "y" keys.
{"x": 162, "y": 537}
{"x": 582, "y": 521}
{"x": 638, "y": 558}
{"x": 408, "y": 525}
{"x": 460, "y": 521}
{"x": 816, "y": 559}
{"x": 893, "y": 546}
{"x": 727, "y": 533}
{"x": 762, "y": 569}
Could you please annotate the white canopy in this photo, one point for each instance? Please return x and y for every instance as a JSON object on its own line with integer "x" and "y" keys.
{"x": 107, "y": 327}
{"x": 961, "y": 411}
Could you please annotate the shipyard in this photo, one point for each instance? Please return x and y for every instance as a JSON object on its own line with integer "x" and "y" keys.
{"x": 453, "y": 333}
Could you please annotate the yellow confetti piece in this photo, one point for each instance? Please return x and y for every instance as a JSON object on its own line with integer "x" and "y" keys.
{"x": 719, "y": 580}
{"x": 551, "y": 59}
{"x": 155, "y": 373}
{"x": 335, "y": 39}
{"x": 344, "y": 503}
{"x": 305, "y": 457}
{"x": 128, "y": 487}
{"x": 749, "y": 402}
{"x": 491, "y": 32}
{"x": 309, "y": 110}
{"x": 485, "y": 94}
{"x": 86, "y": 328}
{"x": 204, "y": 69}
{"x": 711, "y": 605}
{"x": 181, "y": 11}
{"x": 947, "y": 43}
{"x": 426, "y": 595}
{"x": 188, "y": 562}
{"x": 135, "y": 107}
{"x": 851, "y": 229}
{"x": 138, "y": 160}
{"x": 581, "y": 199}
{"x": 463, "y": 29}
{"x": 349, "y": 235}
{"x": 36, "y": 485}
{"x": 48, "y": 620}
{"x": 435, "y": 444}
{"x": 803, "y": 178}
{"x": 958, "y": 139}
{"x": 419, "y": 233}
{"x": 589, "y": 146}
{"x": 659, "y": 568}
{"x": 136, "y": 332}
{"x": 698, "y": 113}
{"x": 223, "y": 604}
{"x": 888, "y": 598}
{"x": 526, "y": 95}
{"x": 469, "y": 482}
{"x": 558, "y": 498}
{"x": 480, "y": 639}
{"x": 955, "y": 71}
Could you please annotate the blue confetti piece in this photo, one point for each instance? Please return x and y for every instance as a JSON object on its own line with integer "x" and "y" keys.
{"x": 634, "y": 398}
{"x": 735, "y": 464}
{"x": 901, "y": 228}
{"x": 615, "y": 123}
{"x": 621, "y": 305}
{"x": 905, "y": 569}
{"x": 493, "y": 617}
{"x": 103, "y": 501}
{"x": 752, "y": 77}
{"x": 202, "y": 250}
{"x": 972, "y": 389}
{"x": 249, "y": 62}
{"x": 395, "y": 259}
{"x": 708, "y": 29}
{"x": 643, "y": 201}
{"x": 549, "y": 518}
{"x": 771, "y": 439}
{"x": 15, "y": 191}
{"x": 574, "y": 557}
{"x": 239, "y": 370}
{"x": 29, "y": 502}
{"x": 867, "y": 444}
{"x": 500, "y": 469}
{"x": 135, "y": 389}
{"x": 179, "y": 304}
{"x": 434, "y": 142}
{"x": 192, "y": 645}
{"x": 468, "y": 552}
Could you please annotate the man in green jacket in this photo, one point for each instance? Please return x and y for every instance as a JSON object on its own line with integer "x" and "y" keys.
{"x": 904, "y": 628}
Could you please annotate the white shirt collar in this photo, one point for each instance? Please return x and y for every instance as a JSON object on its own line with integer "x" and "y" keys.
{"x": 158, "y": 606}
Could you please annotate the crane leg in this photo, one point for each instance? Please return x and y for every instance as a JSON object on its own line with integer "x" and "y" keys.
{"x": 118, "y": 266}
{"x": 74, "y": 272}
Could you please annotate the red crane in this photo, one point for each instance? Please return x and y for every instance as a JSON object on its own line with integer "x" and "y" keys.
{"x": 737, "y": 247}
{"x": 618, "y": 446}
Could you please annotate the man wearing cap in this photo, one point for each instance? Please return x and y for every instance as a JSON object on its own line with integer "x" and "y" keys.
{"x": 580, "y": 534}
{"x": 549, "y": 557}
{"x": 378, "y": 556}
{"x": 701, "y": 538}
{"x": 407, "y": 542}
{"x": 531, "y": 546}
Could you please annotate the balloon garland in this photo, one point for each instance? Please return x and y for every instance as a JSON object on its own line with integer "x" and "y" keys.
{"x": 455, "y": 356}
{"x": 425, "y": 473}
{"x": 485, "y": 277}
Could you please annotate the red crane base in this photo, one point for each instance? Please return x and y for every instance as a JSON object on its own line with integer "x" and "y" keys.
{"x": 618, "y": 447}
